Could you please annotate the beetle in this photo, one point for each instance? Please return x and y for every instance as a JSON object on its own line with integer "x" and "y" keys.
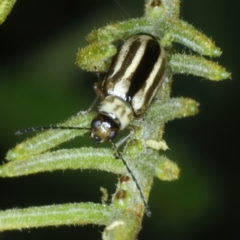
{"x": 135, "y": 75}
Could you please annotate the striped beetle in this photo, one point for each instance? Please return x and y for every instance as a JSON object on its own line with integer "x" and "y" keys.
{"x": 134, "y": 77}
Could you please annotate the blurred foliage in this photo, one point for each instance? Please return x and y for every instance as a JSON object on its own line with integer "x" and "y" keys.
{"x": 41, "y": 85}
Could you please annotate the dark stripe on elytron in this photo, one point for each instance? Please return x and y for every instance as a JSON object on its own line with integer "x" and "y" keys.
{"x": 151, "y": 92}
{"x": 142, "y": 70}
{"x": 126, "y": 62}
{"x": 157, "y": 82}
{"x": 145, "y": 66}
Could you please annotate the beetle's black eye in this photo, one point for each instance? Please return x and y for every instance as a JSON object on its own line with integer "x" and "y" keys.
{"x": 113, "y": 134}
{"x": 96, "y": 122}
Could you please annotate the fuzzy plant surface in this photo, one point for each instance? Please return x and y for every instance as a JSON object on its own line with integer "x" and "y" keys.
{"x": 123, "y": 214}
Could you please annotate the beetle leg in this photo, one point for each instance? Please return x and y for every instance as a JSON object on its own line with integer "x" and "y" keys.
{"x": 124, "y": 139}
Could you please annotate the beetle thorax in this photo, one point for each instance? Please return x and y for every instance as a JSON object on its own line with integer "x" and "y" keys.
{"x": 118, "y": 110}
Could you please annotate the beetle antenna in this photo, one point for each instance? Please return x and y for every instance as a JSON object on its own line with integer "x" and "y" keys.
{"x": 119, "y": 156}
{"x": 43, "y": 128}
{"x": 119, "y": 5}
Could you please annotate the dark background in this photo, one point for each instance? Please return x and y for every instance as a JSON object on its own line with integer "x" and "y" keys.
{"x": 41, "y": 85}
